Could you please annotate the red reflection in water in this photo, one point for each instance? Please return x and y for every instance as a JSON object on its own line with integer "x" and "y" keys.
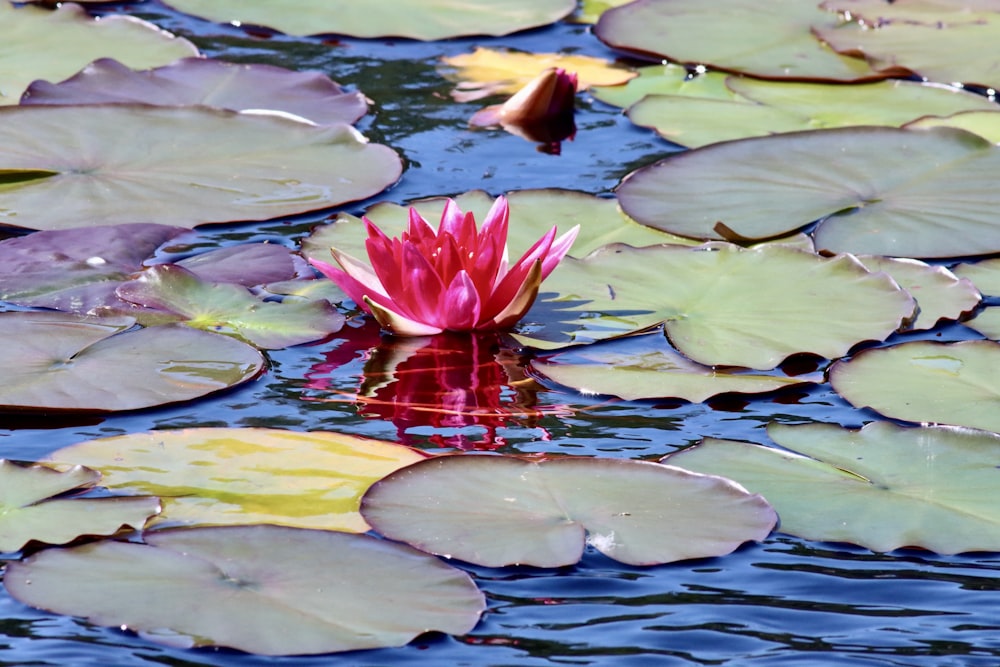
{"x": 445, "y": 381}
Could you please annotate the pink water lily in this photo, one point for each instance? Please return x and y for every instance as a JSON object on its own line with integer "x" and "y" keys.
{"x": 455, "y": 278}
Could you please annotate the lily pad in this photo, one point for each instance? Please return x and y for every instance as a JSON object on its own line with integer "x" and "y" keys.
{"x": 269, "y": 590}
{"x": 415, "y": 19}
{"x": 498, "y": 511}
{"x": 926, "y": 382}
{"x": 940, "y": 294}
{"x": 245, "y": 475}
{"x": 939, "y": 41}
{"x": 666, "y": 79}
{"x": 178, "y": 165}
{"x": 29, "y": 513}
{"x": 206, "y": 81}
{"x": 769, "y": 40}
{"x": 720, "y": 304}
{"x": 58, "y": 361}
{"x": 986, "y": 322}
{"x": 882, "y": 487}
{"x": 984, "y": 123}
{"x": 486, "y": 72}
{"x": 985, "y": 274}
{"x": 43, "y": 44}
{"x": 231, "y": 309}
{"x": 641, "y": 367}
{"x": 248, "y": 264}
{"x": 879, "y": 191}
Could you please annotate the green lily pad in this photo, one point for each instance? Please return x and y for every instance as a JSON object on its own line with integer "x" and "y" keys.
{"x": 926, "y": 382}
{"x": 772, "y": 40}
{"x": 197, "y": 160}
{"x": 939, "y": 41}
{"x": 641, "y": 367}
{"x": 269, "y": 590}
{"x": 720, "y": 304}
{"x": 29, "y": 513}
{"x": 985, "y": 275}
{"x": 879, "y": 191}
{"x": 986, "y": 322}
{"x": 667, "y": 79}
{"x": 497, "y": 511}
{"x": 53, "y": 45}
{"x": 761, "y": 108}
{"x": 940, "y": 294}
{"x": 230, "y": 308}
{"x": 214, "y": 83}
{"x": 984, "y": 123}
{"x": 245, "y": 475}
{"x": 58, "y": 361}
{"x": 882, "y": 487}
{"x": 415, "y": 19}
{"x": 532, "y": 213}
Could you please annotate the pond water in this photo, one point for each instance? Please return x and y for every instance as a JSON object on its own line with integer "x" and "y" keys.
{"x": 785, "y": 601}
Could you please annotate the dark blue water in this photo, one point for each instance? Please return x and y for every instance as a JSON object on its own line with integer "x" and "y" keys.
{"x": 783, "y": 602}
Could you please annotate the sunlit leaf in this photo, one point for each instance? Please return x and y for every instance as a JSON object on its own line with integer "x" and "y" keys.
{"x": 984, "y": 123}
{"x": 720, "y": 304}
{"x": 647, "y": 367}
{"x": 58, "y": 361}
{"x": 245, "y": 475}
{"x": 882, "y": 487}
{"x": 29, "y": 513}
{"x": 42, "y": 44}
{"x": 416, "y": 19}
{"x": 985, "y": 274}
{"x": 179, "y": 165}
{"x": 270, "y": 590}
{"x": 499, "y": 511}
{"x": 924, "y": 381}
{"x": 880, "y": 191}
{"x": 214, "y": 83}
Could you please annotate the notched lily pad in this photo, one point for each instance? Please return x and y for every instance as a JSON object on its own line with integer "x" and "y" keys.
{"x": 926, "y": 382}
{"x": 28, "y": 511}
{"x": 883, "y": 487}
{"x": 262, "y": 589}
{"x": 59, "y": 361}
{"x": 498, "y": 511}
{"x": 215, "y": 83}
{"x": 245, "y": 475}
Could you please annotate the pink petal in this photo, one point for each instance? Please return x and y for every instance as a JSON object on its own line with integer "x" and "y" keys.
{"x": 462, "y": 304}
{"x": 522, "y": 301}
{"x": 398, "y": 324}
{"x": 460, "y": 225}
{"x": 558, "y": 250}
{"x": 354, "y": 289}
{"x": 494, "y": 228}
{"x": 421, "y": 289}
{"x": 508, "y": 286}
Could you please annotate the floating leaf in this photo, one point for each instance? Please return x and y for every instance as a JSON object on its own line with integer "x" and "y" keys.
{"x": 882, "y": 487}
{"x": 416, "y": 19}
{"x": 924, "y": 381}
{"x": 486, "y": 72}
{"x": 667, "y": 79}
{"x": 986, "y": 322}
{"x": 498, "y": 511}
{"x": 249, "y": 264}
{"x": 879, "y": 191}
{"x": 647, "y": 367}
{"x": 985, "y": 274}
{"x": 720, "y": 304}
{"x": 28, "y": 512}
{"x": 591, "y": 10}
{"x": 122, "y": 163}
{"x": 772, "y": 40}
{"x": 270, "y": 590}
{"x": 245, "y": 475}
{"x": 57, "y": 361}
{"x": 940, "y": 294}
{"x": 984, "y": 123}
{"x": 42, "y": 44}
{"x": 214, "y": 83}
{"x": 231, "y": 308}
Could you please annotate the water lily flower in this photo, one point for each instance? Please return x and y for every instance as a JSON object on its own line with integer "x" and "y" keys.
{"x": 455, "y": 278}
{"x": 542, "y": 111}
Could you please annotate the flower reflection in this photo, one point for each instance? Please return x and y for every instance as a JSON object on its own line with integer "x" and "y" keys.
{"x": 454, "y": 383}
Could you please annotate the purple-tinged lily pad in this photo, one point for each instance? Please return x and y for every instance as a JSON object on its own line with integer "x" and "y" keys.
{"x": 28, "y": 511}
{"x": 721, "y": 305}
{"x": 496, "y": 511}
{"x": 43, "y": 44}
{"x": 926, "y": 382}
{"x": 250, "y": 264}
{"x": 214, "y": 83}
{"x": 270, "y": 590}
{"x": 639, "y": 367}
{"x": 76, "y": 270}
{"x": 415, "y": 19}
{"x": 226, "y": 476}
{"x": 58, "y": 361}
{"x": 230, "y": 308}
{"x": 179, "y": 165}
{"x": 879, "y": 191}
{"x": 882, "y": 487}
{"x": 771, "y": 40}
